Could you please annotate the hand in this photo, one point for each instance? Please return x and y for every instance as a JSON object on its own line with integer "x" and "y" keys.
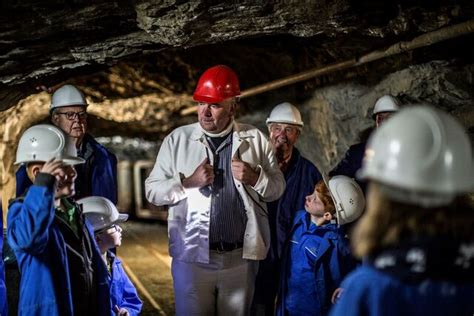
{"x": 336, "y": 295}
{"x": 243, "y": 172}
{"x": 53, "y": 167}
{"x": 121, "y": 311}
{"x": 202, "y": 176}
{"x": 279, "y": 152}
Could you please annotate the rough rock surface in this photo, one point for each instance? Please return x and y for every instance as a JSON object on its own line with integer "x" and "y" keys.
{"x": 138, "y": 62}
{"x": 49, "y": 41}
{"x": 345, "y": 110}
{"x": 338, "y": 116}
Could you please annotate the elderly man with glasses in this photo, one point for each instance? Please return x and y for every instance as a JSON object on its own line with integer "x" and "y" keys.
{"x": 98, "y": 176}
{"x": 284, "y": 126}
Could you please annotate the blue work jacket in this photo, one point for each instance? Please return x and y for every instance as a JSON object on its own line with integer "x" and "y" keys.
{"x": 42, "y": 257}
{"x": 368, "y": 291}
{"x": 97, "y": 176}
{"x": 351, "y": 162}
{"x": 317, "y": 259}
{"x": 122, "y": 291}
{"x": 301, "y": 177}
{"x": 3, "y": 290}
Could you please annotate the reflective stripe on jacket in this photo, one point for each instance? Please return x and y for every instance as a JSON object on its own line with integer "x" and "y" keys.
{"x": 370, "y": 292}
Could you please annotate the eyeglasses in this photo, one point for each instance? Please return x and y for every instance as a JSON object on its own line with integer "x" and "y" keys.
{"x": 72, "y": 115}
{"x": 106, "y": 230}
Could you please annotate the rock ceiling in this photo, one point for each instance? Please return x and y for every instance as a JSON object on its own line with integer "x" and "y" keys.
{"x": 138, "y": 61}
{"x": 49, "y": 42}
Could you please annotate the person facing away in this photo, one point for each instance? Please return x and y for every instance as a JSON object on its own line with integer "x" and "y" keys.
{"x": 105, "y": 218}
{"x": 284, "y": 126}
{"x": 62, "y": 272}
{"x": 216, "y": 175}
{"x": 98, "y": 175}
{"x": 416, "y": 238}
{"x": 317, "y": 255}
{"x": 384, "y": 108}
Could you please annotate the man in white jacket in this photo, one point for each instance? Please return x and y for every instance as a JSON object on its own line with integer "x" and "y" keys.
{"x": 216, "y": 175}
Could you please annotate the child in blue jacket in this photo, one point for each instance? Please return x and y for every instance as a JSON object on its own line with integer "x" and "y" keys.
{"x": 62, "y": 272}
{"x": 416, "y": 239}
{"x": 104, "y": 217}
{"x": 317, "y": 255}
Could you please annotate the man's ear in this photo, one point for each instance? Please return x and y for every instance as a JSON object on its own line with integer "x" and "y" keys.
{"x": 233, "y": 108}
{"x": 234, "y": 105}
{"x": 54, "y": 118}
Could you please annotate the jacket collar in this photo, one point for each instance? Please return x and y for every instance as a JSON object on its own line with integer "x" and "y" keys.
{"x": 238, "y": 133}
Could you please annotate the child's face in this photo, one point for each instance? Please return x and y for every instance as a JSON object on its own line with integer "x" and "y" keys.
{"x": 314, "y": 205}
{"x": 65, "y": 178}
{"x": 110, "y": 238}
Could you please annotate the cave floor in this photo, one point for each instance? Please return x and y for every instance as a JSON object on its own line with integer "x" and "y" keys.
{"x": 144, "y": 253}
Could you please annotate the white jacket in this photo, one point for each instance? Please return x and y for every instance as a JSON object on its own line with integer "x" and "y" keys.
{"x": 189, "y": 211}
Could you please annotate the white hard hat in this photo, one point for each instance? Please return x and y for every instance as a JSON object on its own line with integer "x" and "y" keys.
{"x": 348, "y": 198}
{"x": 44, "y": 142}
{"x": 422, "y": 156}
{"x": 386, "y": 103}
{"x": 67, "y": 95}
{"x": 285, "y": 113}
{"x": 101, "y": 212}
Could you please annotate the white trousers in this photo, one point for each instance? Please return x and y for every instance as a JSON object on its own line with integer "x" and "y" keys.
{"x": 224, "y": 286}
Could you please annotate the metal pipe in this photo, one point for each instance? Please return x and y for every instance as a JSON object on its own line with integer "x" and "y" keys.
{"x": 423, "y": 40}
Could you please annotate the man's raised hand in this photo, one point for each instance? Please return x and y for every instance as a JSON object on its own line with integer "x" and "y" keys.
{"x": 243, "y": 172}
{"x": 202, "y": 176}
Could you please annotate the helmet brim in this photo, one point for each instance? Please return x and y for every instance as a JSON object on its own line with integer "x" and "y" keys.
{"x": 51, "y": 108}
{"x": 211, "y": 100}
{"x": 122, "y": 218}
{"x": 69, "y": 160}
{"x": 374, "y": 115}
{"x": 269, "y": 121}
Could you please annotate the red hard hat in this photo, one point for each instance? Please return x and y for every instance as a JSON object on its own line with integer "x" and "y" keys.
{"x": 217, "y": 84}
